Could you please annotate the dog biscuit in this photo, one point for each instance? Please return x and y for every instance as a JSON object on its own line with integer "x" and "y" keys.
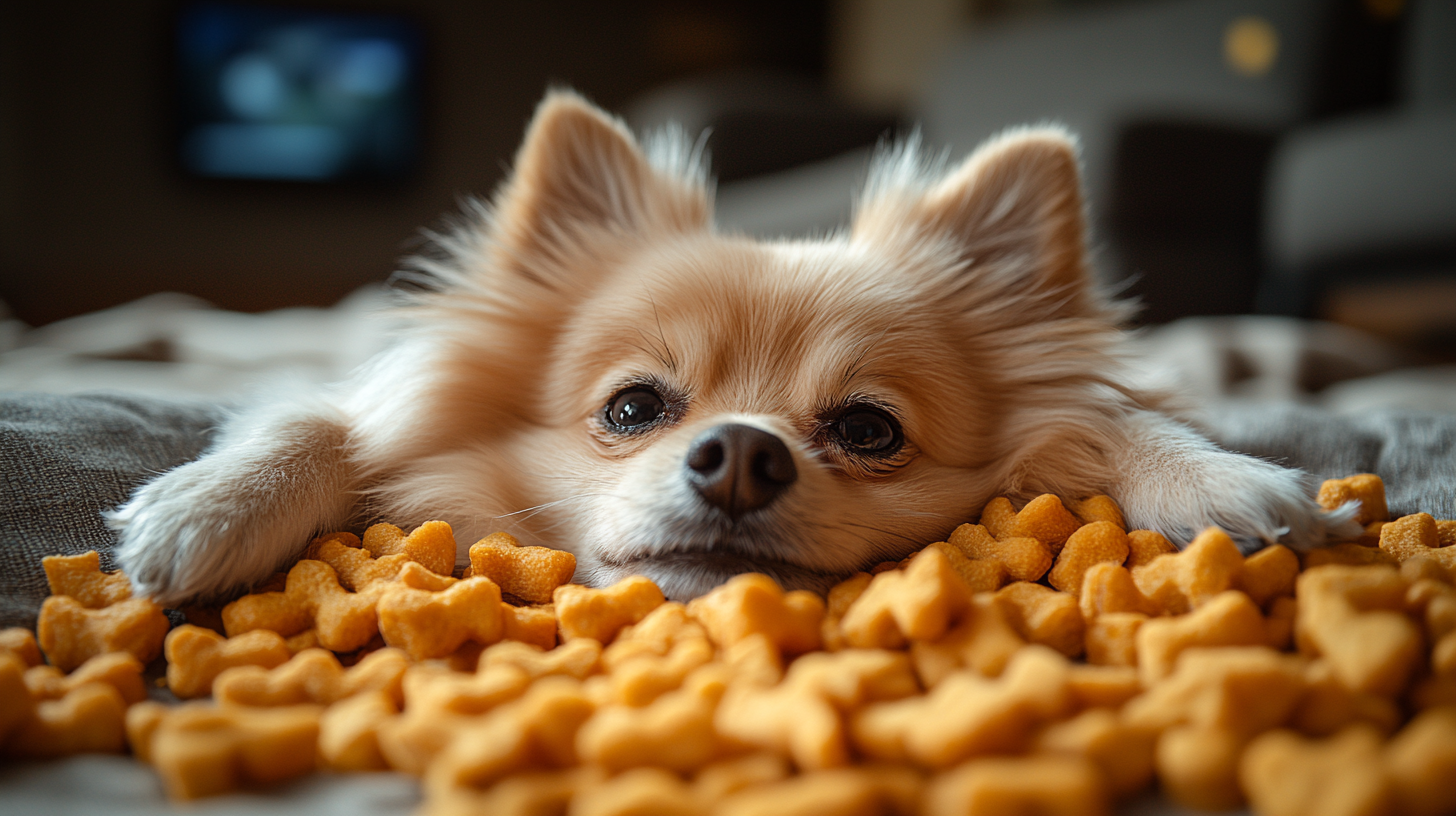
{"x": 20, "y": 642}
{"x": 356, "y": 567}
{"x": 868, "y": 789}
{"x": 1349, "y": 554}
{"x": 1328, "y": 705}
{"x": 1182, "y": 581}
{"x": 312, "y": 598}
{"x": 998, "y": 517}
{"x": 80, "y": 577}
{"x": 644, "y": 678}
{"x": 89, "y": 719}
{"x": 601, "y": 613}
{"x": 920, "y": 602}
{"x": 636, "y": 792}
{"x": 201, "y": 750}
{"x": 1122, "y": 752}
{"x": 70, "y": 634}
{"x": 1111, "y": 638}
{"x": 1366, "y": 488}
{"x": 1269, "y": 573}
{"x": 803, "y": 716}
{"x": 536, "y": 732}
{"x": 1354, "y": 616}
{"x": 718, "y": 780}
{"x": 349, "y": 731}
{"x": 1110, "y": 588}
{"x": 1024, "y": 558}
{"x": 841, "y": 596}
{"x": 433, "y": 624}
{"x": 1198, "y": 767}
{"x": 979, "y": 575}
{"x": 16, "y": 703}
{"x": 1421, "y": 762}
{"x": 119, "y": 670}
{"x": 675, "y": 731}
{"x": 1099, "y": 508}
{"x": 431, "y": 544}
{"x": 983, "y": 642}
{"x": 1109, "y": 687}
{"x": 439, "y": 703}
{"x": 1416, "y": 535}
{"x": 529, "y": 573}
{"x": 1045, "y": 519}
{"x": 535, "y": 625}
{"x": 1044, "y": 615}
{"x": 754, "y": 603}
{"x": 1145, "y": 545}
{"x": 196, "y": 656}
{"x": 1229, "y": 619}
{"x": 1240, "y": 690}
{"x": 1100, "y": 542}
{"x": 1285, "y": 774}
{"x": 1049, "y": 784}
{"x": 967, "y": 715}
{"x": 656, "y": 634}
{"x": 577, "y": 658}
{"x": 312, "y": 676}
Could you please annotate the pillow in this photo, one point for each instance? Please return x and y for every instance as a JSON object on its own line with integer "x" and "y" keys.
{"x": 64, "y": 460}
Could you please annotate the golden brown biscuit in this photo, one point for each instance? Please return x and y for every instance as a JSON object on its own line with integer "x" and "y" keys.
{"x": 196, "y": 656}
{"x": 80, "y": 577}
{"x": 70, "y": 634}
{"x": 529, "y": 573}
{"x": 755, "y": 604}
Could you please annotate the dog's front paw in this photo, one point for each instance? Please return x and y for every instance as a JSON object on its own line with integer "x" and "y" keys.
{"x": 201, "y": 532}
{"x": 1178, "y": 483}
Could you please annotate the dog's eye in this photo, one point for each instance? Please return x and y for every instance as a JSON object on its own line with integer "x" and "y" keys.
{"x": 634, "y": 408}
{"x": 868, "y": 430}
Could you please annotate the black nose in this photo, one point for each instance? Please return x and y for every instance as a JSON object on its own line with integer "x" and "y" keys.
{"x": 737, "y": 468}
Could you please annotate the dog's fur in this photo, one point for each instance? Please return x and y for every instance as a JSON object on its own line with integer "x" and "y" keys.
{"x": 959, "y": 303}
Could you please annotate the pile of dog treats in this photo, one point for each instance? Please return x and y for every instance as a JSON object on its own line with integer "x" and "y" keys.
{"x": 1044, "y": 660}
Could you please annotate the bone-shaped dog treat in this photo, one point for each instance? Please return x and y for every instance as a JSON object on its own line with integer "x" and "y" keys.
{"x": 753, "y": 603}
{"x": 90, "y": 718}
{"x": 577, "y": 658}
{"x": 356, "y": 567}
{"x": 1036, "y": 784}
{"x": 1145, "y": 545}
{"x": 535, "y": 625}
{"x": 1366, "y": 488}
{"x": 21, "y": 643}
{"x": 1230, "y": 619}
{"x": 312, "y": 676}
{"x": 119, "y": 670}
{"x": 1182, "y": 581}
{"x": 1098, "y": 508}
{"x": 312, "y": 598}
{"x": 920, "y": 602}
{"x": 967, "y": 715}
{"x": 1044, "y": 615}
{"x": 1100, "y": 542}
{"x": 979, "y": 575}
{"x": 1044, "y": 518}
{"x": 433, "y": 624}
{"x": 202, "y": 750}
{"x": 675, "y": 731}
{"x": 983, "y": 642}
{"x": 1024, "y": 558}
{"x": 529, "y": 573}
{"x": 432, "y": 544}
{"x": 601, "y": 613}
{"x": 803, "y": 716}
{"x": 1416, "y": 535}
{"x": 80, "y": 577}
{"x": 439, "y": 703}
{"x": 1122, "y": 752}
{"x": 1285, "y": 774}
{"x": 1355, "y": 617}
{"x": 70, "y": 634}
{"x": 196, "y": 656}
{"x": 349, "y": 731}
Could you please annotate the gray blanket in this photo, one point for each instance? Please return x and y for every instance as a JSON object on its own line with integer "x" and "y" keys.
{"x": 67, "y": 458}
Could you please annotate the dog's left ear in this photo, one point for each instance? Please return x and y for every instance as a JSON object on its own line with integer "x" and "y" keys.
{"x": 580, "y": 172}
{"x": 1016, "y": 202}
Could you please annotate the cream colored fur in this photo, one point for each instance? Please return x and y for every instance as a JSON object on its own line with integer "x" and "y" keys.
{"x": 959, "y": 301}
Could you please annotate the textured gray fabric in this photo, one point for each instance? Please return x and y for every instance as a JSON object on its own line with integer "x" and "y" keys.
{"x": 1414, "y": 452}
{"x": 64, "y": 460}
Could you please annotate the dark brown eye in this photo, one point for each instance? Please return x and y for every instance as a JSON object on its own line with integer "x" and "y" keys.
{"x": 868, "y": 430}
{"x": 635, "y": 408}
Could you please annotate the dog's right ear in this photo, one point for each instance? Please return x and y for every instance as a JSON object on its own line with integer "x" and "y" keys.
{"x": 580, "y": 174}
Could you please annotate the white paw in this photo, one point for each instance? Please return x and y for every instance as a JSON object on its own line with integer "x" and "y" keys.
{"x": 1255, "y": 502}
{"x": 202, "y": 531}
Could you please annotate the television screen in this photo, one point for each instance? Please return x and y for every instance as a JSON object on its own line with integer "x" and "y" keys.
{"x": 273, "y": 92}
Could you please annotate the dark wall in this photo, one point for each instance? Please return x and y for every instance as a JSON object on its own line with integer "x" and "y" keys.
{"x": 94, "y": 210}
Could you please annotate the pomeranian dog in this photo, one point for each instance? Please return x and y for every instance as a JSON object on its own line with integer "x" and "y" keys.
{"x": 601, "y": 371}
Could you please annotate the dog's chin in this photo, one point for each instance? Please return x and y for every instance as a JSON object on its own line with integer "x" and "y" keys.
{"x": 683, "y": 576}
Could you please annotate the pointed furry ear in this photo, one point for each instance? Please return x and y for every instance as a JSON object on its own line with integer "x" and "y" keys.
{"x": 1017, "y": 200}
{"x": 580, "y": 170}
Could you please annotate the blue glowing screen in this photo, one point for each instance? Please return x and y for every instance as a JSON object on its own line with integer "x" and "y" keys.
{"x": 272, "y": 92}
